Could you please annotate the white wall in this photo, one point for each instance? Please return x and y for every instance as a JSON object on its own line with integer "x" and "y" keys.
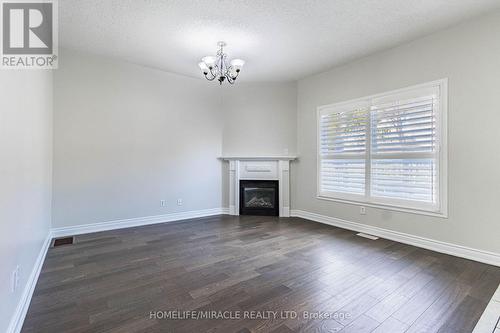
{"x": 469, "y": 55}
{"x": 260, "y": 119}
{"x": 25, "y": 178}
{"x": 127, "y": 137}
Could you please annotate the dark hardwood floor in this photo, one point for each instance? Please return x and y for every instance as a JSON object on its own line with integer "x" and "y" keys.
{"x": 328, "y": 279}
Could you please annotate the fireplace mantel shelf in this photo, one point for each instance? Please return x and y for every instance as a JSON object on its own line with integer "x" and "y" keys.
{"x": 258, "y": 158}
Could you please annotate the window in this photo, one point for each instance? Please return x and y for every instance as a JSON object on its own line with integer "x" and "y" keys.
{"x": 386, "y": 150}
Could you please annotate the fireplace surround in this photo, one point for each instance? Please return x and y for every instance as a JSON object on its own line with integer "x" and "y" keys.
{"x": 260, "y": 168}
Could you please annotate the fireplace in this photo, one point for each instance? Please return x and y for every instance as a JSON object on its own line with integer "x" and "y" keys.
{"x": 259, "y": 197}
{"x": 259, "y": 170}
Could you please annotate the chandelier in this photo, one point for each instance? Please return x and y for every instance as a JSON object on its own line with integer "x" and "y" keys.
{"x": 215, "y": 67}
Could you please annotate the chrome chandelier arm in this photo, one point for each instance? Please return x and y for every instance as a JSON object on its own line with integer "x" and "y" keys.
{"x": 230, "y": 79}
{"x": 212, "y": 75}
{"x": 209, "y": 78}
{"x": 216, "y": 70}
{"x": 236, "y": 75}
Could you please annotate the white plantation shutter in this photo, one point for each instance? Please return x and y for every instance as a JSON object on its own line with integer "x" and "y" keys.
{"x": 404, "y": 149}
{"x": 384, "y": 149}
{"x": 343, "y": 149}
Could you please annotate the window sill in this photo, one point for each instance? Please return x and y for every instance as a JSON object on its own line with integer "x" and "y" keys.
{"x": 385, "y": 207}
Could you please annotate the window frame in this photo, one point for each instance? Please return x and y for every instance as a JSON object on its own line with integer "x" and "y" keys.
{"x": 409, "y": 206}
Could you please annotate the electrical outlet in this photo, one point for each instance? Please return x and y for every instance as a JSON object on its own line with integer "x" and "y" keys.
{"x": 163, "y": 203}
{"x": 179, "y": 202}
{"x": 15, "y": 279}
{"x": 362, "y": 210}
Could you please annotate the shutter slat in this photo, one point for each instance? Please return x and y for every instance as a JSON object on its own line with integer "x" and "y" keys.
{"x": 407, "y": 116}
{"x": 345, "y": 131}
{"x": 402, "y": 128}
{"x": 403, "y": 132}
{"x": 423, "y": 121}
{"x": 403, "y": 106}
{"x": 405, "y": 137}
{"x": 405, "y": 111}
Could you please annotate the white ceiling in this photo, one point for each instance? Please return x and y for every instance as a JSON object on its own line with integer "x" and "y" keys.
{"x": 279, "y": 39}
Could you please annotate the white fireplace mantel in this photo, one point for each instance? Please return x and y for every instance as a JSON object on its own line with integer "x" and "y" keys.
{"x": 259, "y": 168}
{"x": 258, "y": 158}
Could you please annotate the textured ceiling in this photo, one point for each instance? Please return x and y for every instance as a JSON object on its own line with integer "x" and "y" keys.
{"x": 279, "y": 39}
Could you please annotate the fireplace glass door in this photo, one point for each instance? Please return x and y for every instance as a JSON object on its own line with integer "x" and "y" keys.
{"x": 259, "y": 197}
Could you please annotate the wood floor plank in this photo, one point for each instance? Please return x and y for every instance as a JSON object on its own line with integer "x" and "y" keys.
{"x": 391, "y": 325}
{"x": 401, "y": 296}
{"x": 362, "y": 324}
{"x": 437, "y": 314}
{"x": 464, "y": 317}
{"x": 420, "y": 302}
{"x": 123, "y": 280}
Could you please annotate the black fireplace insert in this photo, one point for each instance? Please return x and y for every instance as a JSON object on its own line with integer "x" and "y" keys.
{"x": 259, "y": 197}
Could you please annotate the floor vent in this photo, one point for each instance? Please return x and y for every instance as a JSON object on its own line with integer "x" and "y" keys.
{"x": 63, "y": 241}
{"x": 367, "y": 236}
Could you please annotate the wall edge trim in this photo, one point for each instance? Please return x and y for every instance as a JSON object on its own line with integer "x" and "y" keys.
{"x": 17, "y": 321}
{"x": 135, "y": 222}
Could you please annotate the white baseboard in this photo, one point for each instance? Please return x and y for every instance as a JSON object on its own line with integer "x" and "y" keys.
{"x": 486, "y": 257}
{"x": 135, "y": 222}
{"x": 16, "y": 323}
